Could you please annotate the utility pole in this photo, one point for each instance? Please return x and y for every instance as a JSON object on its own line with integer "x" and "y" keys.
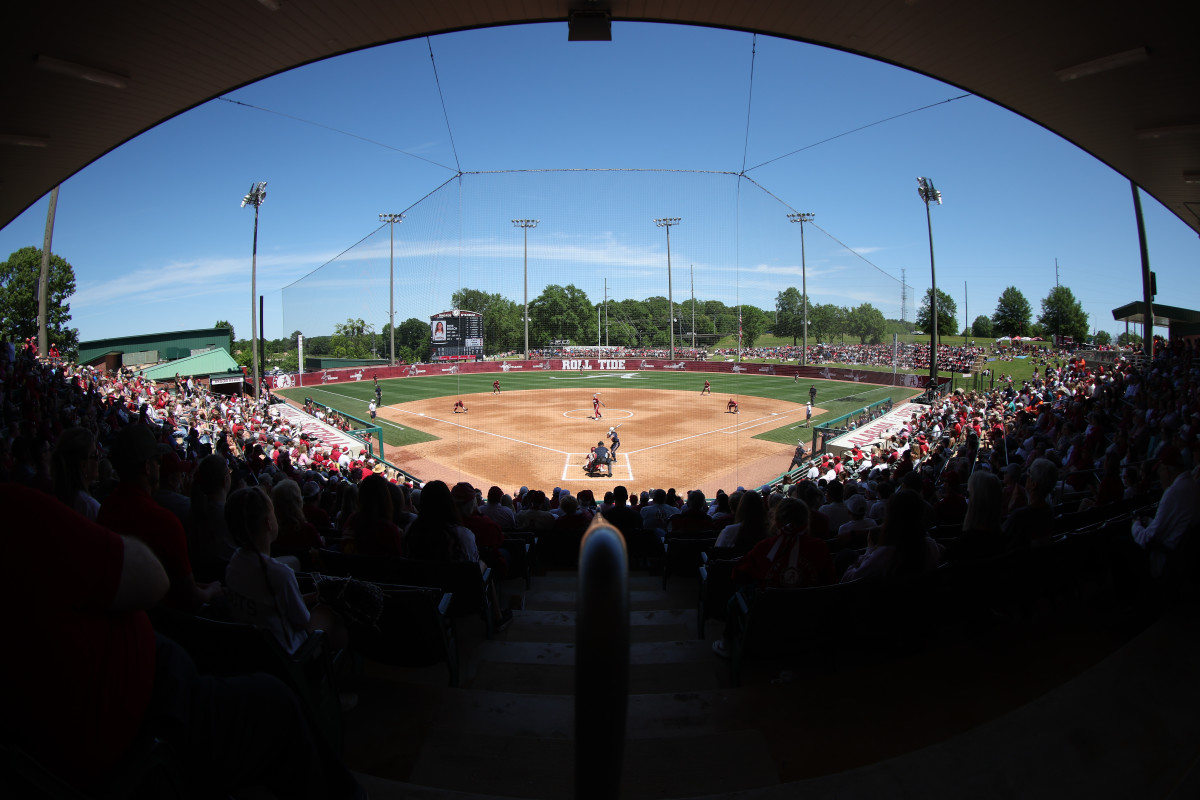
{"x": 667, "y": 222}
{"x": 929, "y": 195}
{"x": 44, "y": 281}
{"x": 606, "y": 312}
{"x": 966, "y": 310}
{"x": 1055, "y": 273}
{"x": 526, "y": 224}
{"x": 692, "y": 272}
{"x": 255, "y": 197}
{"x": 391, "y": 220}
{"x": 803, "y": 218}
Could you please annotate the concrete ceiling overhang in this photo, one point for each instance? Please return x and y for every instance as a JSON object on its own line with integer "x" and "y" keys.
{"x": 1120, "y": 80}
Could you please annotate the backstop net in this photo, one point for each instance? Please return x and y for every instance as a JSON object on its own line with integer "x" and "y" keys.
{"x": 584, "y": 237}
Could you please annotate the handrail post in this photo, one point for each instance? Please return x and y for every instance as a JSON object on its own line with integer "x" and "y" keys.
{"x": 601, "y": 662}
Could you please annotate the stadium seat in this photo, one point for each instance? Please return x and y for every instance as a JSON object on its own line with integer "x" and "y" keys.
{"x": 815, "y": 621}
{"x": 716, "y": 587}
{"x": 231, "y": 648}
{"x": 414, "y": 630}
{"x": 683, "y": 555}
{"x": 470, "y": 587}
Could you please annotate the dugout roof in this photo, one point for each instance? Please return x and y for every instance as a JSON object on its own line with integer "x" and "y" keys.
{"x": 1118, "y": 79}
{"x": 1180, "y": 321}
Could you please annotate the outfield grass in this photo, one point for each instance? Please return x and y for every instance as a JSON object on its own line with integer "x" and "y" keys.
{"x": 835, "y": 397}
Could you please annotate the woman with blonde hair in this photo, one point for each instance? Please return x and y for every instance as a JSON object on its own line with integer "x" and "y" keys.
{"x": 980, "y": 535}
{"x": 297, "y": 536}
{"x": 264, "y": 592}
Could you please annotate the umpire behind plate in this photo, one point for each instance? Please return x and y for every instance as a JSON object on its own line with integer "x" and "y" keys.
{"x": 601, "y": 459}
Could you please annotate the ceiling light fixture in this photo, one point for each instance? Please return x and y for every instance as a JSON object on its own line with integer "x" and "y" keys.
{"x": 1191, "y": 176}
{"x": 1104, "y": 64}
{"x": 81, "y": 71}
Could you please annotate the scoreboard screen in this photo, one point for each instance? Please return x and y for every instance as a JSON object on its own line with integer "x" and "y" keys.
{"x": 456, "y": 335}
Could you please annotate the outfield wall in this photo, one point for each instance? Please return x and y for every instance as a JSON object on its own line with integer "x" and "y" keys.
{"x": 828, "y": 373}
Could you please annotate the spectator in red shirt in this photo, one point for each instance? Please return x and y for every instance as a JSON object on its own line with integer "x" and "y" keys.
{"x": 129, "y": 510}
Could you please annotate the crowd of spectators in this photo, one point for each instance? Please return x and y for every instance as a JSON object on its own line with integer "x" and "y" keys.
{"x": 169, "y": 494}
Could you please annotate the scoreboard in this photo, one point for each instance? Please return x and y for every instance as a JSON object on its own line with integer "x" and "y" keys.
{"x": 456, "y": 335}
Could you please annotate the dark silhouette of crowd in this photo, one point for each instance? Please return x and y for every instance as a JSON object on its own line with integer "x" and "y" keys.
{"x": 129, "y": 497}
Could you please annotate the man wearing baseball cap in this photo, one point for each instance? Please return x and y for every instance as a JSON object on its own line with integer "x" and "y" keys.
{"x": 131, "y": 511}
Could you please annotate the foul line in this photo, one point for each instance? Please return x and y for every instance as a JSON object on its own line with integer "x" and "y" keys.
{"x": 444, "y": 422}
{"x": 477, "y": 430}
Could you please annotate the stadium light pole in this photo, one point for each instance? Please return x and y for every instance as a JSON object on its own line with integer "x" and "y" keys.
{"x": 255, "y": 197}
{"x": 391, "y": 220}
{"x": 526, "y": 224}
{"x": 803, "y": 218}
{"x": 931, "y": 195}
{"x": 667, "y": 222}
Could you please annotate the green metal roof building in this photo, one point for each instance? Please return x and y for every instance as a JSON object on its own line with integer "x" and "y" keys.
{"x": 211, "y": 362}
{"x": 149, "y": 348}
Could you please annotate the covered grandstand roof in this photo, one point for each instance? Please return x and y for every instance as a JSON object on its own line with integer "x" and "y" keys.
{"x": 1120, "y": 80}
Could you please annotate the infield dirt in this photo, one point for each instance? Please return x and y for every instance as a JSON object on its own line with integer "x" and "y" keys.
{"x": 541, "y": 438}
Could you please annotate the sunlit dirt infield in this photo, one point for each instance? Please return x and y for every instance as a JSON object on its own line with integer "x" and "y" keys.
{"x": 540, "y": 439}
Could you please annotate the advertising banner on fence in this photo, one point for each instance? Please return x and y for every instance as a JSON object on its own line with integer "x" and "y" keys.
{"x": 600, "y": 364}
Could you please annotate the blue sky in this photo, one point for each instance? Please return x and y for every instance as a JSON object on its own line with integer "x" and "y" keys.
{"x": 158, "y": 240}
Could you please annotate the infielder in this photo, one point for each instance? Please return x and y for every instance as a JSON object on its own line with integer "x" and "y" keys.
{"x": 707, "y": 388}
{"x": 731, "y": 407}
{"x": 496, "y": 387}
{"x": 596, "y": 403}
{"x": 460, "y": 407}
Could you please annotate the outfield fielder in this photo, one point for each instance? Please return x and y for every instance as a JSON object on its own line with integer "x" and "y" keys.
{"x": 596, "y": 403}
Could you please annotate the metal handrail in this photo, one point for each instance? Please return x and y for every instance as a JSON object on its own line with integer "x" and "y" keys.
{"x": 601, "y": 662}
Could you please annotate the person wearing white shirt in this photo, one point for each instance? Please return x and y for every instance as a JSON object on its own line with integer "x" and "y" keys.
{"x": 1178, "y": 511}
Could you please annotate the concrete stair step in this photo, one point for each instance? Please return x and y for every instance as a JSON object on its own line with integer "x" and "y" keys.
{"x": 644, "y": 626}
{"x": 549, "y": 667}
{"x": 639, "y": 600}
{"x": 464, "y": 760}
